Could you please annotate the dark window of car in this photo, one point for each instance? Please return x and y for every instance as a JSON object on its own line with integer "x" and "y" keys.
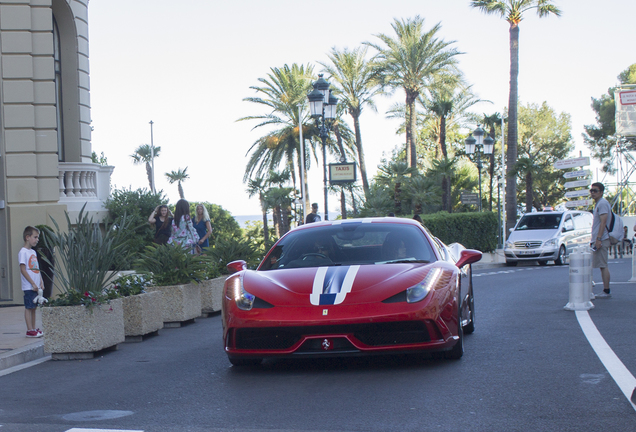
{"x": 539, "y": 221}
{"x": 350, "y": 243}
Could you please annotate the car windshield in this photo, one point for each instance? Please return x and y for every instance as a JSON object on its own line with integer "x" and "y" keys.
{"x": 539, "y": 221}
{"x": 348, "y": 244}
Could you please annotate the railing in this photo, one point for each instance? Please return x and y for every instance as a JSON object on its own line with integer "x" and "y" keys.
{"x": 84, "y": 183}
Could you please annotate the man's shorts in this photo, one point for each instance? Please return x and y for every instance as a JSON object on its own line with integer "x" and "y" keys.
{"x": 29, "y": 296}
{"x": 599, "y": 257}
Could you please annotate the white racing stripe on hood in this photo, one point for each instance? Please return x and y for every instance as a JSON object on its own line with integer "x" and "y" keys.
{"x": 332, "y": 292}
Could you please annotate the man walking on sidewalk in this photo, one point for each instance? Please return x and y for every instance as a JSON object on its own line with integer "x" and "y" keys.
{"x": 600, "y": 236}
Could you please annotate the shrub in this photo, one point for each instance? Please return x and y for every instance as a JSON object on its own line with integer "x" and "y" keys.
{"x": 228, "y": 249}
{"x": 137, "y": 205}
{"x": 476, "y": 230}
{"x": 170, "y": 264}
{"x": 86, "y": 257}
{"x": 130, "y": 285}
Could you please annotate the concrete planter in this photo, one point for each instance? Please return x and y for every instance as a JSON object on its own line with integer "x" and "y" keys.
{"x": 143, "y": 314}
{"x": 73, "y": 332}
{"x": 179, "y": 302}
{"x": 211, "y": 294}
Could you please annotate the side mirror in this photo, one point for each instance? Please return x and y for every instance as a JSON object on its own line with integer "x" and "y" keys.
{"x": 468, "y": 256}
{"x": 511, "y": 229}
{"x": 237, "y": 266}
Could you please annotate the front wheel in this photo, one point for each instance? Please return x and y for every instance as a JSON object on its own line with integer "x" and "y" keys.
{"x": 458, "y": 350}
{"x": 561, "y": 258}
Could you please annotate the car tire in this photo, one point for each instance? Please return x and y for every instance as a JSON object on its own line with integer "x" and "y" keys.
{"x": 511, "y": 263}
{"x": 457, "y": 351}
{"x": 561, "y": 258}
{"x": 543, "y": 263}
{"x": 245, "y": 361}
{"x": 470, "y": 327}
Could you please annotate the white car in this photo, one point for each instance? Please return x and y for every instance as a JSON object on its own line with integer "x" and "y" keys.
{"x": 548, "y": 236}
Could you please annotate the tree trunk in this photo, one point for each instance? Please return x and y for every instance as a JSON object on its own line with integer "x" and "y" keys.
{"x": 149, "y": 174}
{"x": 529, "y": 193}
{"x": 411, "y": 130}
{"x": 180, "y": 191}
{"x": 361, "y": 160}
{"x": 511, "y": 155}
{"x": 265, "y": 225}
{"x": 343, "y": 203}
{"x": 442, "y": 137}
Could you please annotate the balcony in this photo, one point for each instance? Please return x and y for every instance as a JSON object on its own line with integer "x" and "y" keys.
{"x": 84, "y": 183}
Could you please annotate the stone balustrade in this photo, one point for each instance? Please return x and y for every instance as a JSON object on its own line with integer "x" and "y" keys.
{"x": 84, "y": 184}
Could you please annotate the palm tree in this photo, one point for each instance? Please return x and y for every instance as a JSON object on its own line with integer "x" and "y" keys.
{"x": 526, "y": 167}
{"x": 178, "y": 176}
{"x": 144, "y": 154}
{"x": 512, "y": 11}
{"x": 258, "y": 186}
{"x": 281, "y": 93}
{"x": 410, "y": 61}
{"x": 355, "y": 81}
{"x": 395, "y": 173}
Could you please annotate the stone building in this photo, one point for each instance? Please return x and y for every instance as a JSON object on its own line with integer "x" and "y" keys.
{"x": 45, "y": 125}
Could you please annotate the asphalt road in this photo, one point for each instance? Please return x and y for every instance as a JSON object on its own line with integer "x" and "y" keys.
{"x": 527, "y": 367}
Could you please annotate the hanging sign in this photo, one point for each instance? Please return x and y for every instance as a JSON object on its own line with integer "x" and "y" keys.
{"x": 342, "y": 172}
{"x": 577, "y": 193}
{"x": 628, "y": 97}
{"x": 578, "y": 183}
{"x": 574, "y": 174}
{"x": 572, "y": 163}
{"x": 579, "y": 203}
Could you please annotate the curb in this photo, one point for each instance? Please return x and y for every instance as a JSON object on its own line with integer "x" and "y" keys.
{"x": 31, "y": 352}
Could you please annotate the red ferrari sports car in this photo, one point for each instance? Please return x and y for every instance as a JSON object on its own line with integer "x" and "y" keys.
{"x": 350, "y": 287}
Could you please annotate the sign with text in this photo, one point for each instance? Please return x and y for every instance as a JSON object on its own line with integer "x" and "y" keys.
{"x": 577, "y": 193}
{"x": 628, "y": 97}
{"x": 342, "y": 172}
{"x": 578, "y": 183}
{"x": 572, "y": 163}
{"x": 579, "y": 203}
{"x": 574, "y": 174}
{"x": 469, "y": 198}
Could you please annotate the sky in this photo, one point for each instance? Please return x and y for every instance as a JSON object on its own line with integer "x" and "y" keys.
{"x": 187, "y": 66}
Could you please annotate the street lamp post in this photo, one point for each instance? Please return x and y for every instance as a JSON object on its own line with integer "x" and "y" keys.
{"x": 478, "y": 145}
{"x": 322, "y": 106}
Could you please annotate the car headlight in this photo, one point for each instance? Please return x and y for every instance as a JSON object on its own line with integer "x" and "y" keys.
{"x": 420, "y": 291}
{"x": 235, "y": 291}
{"x": 509, "y": 245}
{"x": 551, "y": 242}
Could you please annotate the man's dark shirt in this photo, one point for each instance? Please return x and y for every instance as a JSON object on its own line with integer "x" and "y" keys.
{"x": 312, "y": 217}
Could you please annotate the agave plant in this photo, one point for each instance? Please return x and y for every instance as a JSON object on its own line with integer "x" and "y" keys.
{"x": 170, "y": 264}
{"x": 88, "y": 258}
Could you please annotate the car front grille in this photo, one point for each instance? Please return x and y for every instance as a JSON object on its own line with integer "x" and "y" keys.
{"x": 528, "y": 244}
{"x": 375, "y": 334}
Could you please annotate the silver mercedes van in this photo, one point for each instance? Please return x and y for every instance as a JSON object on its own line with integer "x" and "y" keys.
{"x": 548, "y": 236}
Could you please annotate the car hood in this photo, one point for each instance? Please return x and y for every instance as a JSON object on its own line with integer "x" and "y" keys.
{"x": 527, "y": 235}
{"x": 339, "y": 284}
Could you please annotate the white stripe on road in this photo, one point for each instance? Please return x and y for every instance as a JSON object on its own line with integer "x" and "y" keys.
{"x": 621, "y": 375}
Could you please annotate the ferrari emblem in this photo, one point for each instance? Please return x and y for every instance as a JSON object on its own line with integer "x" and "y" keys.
{"x": 326, "y": 344}
{"x": 325, "y": 312}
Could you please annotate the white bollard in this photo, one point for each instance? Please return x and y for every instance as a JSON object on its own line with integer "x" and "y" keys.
{"x": 633, "y": 279}
{"x": 580, "y": 280}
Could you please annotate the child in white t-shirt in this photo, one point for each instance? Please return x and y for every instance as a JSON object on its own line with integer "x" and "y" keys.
{"x": 31, "y": 278}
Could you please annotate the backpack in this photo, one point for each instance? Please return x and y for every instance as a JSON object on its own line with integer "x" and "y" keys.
{"x": 615, "y": 229}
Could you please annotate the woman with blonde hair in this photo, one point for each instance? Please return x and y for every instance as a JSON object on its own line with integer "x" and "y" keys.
{"x": 203, "y": 225}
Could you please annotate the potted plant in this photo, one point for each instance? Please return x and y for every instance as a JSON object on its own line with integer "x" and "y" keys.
{"x": 86, "y": 316}
{"x": 46, "y": 259}
{"x": 175, "y": 273}
{"x": 143, "y": 312}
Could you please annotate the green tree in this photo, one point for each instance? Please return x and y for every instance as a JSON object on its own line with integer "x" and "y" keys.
{"x": 394, "y": 174}
{"x": 258, "y": 186}
{"x": 179, "y": 177}
{"x": 354, "y": 76}
{"x": 280, "y": 94}
{"x": 599, "y": 138}
{"x": 222, "y": 221}
{"x": 491, "y": 123}
{"x": 512, "y": 11}
{"x": 410, "y": 61}
{"x": 545, "y": 138}
{"x": 144, "y": 154}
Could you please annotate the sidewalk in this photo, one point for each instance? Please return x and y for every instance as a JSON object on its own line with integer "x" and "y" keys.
{"x": 15, "y": 348}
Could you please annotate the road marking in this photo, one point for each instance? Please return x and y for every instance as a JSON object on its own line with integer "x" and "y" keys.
{"x": 621, "y": 375}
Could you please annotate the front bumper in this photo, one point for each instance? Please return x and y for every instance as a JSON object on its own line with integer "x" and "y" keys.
{"x": 542, "y": 253}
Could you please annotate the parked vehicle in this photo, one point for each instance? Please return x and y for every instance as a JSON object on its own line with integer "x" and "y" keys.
{"x": 548, "y": 236}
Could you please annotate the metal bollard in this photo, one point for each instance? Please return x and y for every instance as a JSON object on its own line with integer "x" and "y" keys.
{"x": 633, "y": 279}
{"x": 580, "y": 280}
